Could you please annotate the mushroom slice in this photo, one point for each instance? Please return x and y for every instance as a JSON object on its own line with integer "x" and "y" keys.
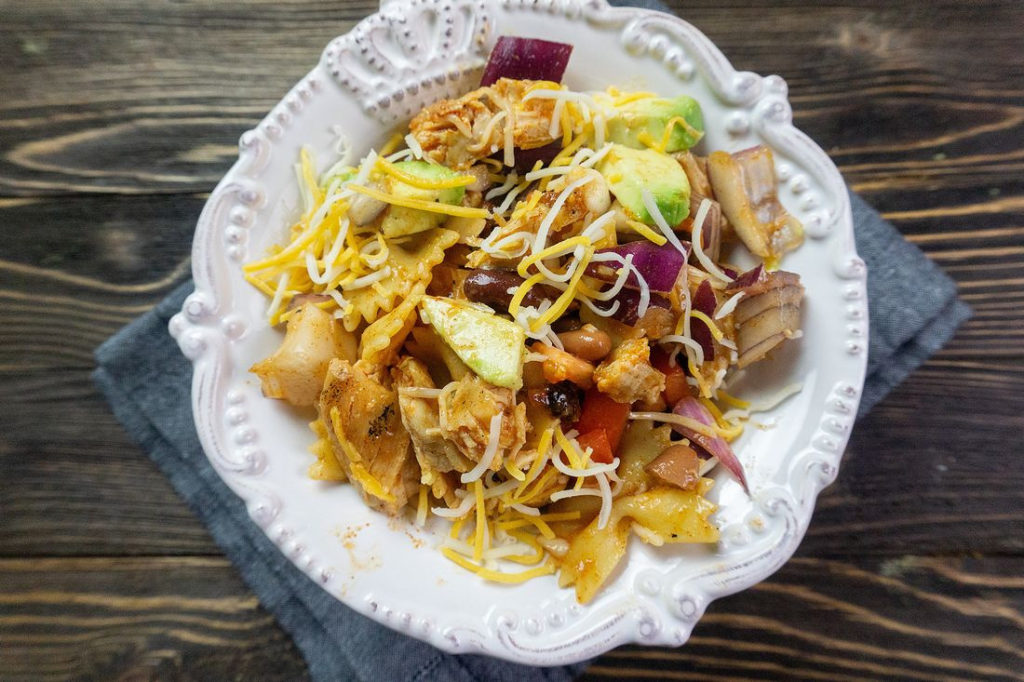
{"x": 745, "y": 185}
{"x": 769, "y": 312}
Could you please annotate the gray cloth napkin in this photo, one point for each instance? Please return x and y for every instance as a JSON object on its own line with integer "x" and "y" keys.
{"x": 913, "y": 312}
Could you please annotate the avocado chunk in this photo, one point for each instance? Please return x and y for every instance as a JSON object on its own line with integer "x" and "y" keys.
{"x": 630, "y": 171}
{"x": 493, "y": 347}
{"x": 399, "y": 220}
{"x": 643, "y": 123}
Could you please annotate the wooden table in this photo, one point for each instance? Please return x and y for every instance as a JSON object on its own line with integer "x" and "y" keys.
{"x": 118, "y": 116}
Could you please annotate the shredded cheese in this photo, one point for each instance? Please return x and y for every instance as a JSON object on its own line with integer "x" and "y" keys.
{"x": 698, "y": 247}
{"x": 678, "y": 419}
{"x": 422, "y": 182}
{"x": 729, "y": 305}
{"x": 490, "y": 451}
{"x": 431, "y": 206}
{"x": 659, "y": 220}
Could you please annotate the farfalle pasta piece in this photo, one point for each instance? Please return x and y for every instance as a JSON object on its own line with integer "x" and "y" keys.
{"x": 670, "y": 515}
{"x": 382, "y": 339}
{"x": 411, "y": 262}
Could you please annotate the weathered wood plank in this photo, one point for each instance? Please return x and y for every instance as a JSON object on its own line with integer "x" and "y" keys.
{"x": 151, "y": 618}
{"x": 901, "y": 618}
{"x": 823, "y": 620}
{"x": 869, "y": 81}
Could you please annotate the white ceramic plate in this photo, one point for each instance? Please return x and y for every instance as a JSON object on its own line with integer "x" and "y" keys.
{"x": 378, "y": 75}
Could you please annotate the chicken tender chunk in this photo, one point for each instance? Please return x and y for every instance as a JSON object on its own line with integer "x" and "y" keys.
{"x": 466, "y": 409}
{"x": 367, "y": 434}
{"x": 459, "y": 132}
{"x": 627, "y": 375}
{"x": 440, "y": 461}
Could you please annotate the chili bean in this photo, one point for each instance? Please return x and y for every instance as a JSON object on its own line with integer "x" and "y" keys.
{"x": 491, "y": 287}
{"x": 587, "y": 342}
{"x": 566, "y": 323}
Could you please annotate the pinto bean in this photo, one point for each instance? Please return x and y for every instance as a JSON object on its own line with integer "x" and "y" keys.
{"x": 561, "y": 366}
{"x": 587, "y": 342}
{"x": 677, "y": 465}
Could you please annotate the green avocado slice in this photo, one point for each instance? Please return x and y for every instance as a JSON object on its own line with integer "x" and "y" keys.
{"x": 399, "y": 220}
{"x": 630, "y": 171}
{"x": 493, "y": 347}
{"x": 641, "y": 123}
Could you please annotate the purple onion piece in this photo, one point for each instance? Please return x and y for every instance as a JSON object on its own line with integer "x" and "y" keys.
{"x": 704, "y": 300}
{"x": 526, "y": 158}
{"x": 658, "y": 265}
{"x": 690, "y": 407}
{"x": 526, "y": 59}
{"x": 629, "y": 303}
{"x": 747, "y": 279}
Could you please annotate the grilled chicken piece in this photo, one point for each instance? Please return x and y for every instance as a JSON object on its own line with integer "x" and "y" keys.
{"x": 295, "y": 372}
{"x": 367, "y": 434}
{"x": 745, "y": 185}
{"x": 627, "y": 376}
{"x": 466, "y": 409}
{"x": 440, "y": 461}
{"x": 696, "y": 169}
{"x": 459, "y": 132}
{"x": 581, "y": 207}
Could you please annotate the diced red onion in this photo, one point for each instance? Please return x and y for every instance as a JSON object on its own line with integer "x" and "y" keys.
{"x": 658, "y": 265}
{"x": 526, "y": 59}
{"x": 747, "y": 279}
{"x": 629, "y": 303}
{"x": 704, "y": 300}
{"x": 690, "y": 407}
{"x": 526, "y": 158}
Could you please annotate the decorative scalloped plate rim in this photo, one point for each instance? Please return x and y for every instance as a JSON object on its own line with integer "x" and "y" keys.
{"x": 389, "y": 65}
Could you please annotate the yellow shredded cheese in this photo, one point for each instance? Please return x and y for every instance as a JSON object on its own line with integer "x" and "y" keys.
{"x": 431, "y": 206}
{"x": 715, "y": 331}
{"x": 421, "y": 182}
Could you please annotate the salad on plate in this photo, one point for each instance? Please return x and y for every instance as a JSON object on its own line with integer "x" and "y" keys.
{"x": 519, "y": 317}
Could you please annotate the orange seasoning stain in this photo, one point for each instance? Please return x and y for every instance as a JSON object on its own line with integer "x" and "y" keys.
{"x": 348, "y": 537}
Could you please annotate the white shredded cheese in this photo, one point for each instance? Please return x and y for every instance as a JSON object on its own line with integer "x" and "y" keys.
{"x": 419, "y": 392}
{"x": 367, "y": 280}
{"x": 275, "y": 302}
{"x": 765, "y": 404}
{"x": 463, "y": 508}
{"x": 489, "y": 452}
{"x": 730, "y": 305}
{"x": 596, "y": 157}
{"x": 540, "y": 241}
{"x": 524, "y": 509}
{"x": 606, "y": 500}
{"x": 510, "y": 181}
{"x": 659, "y": 220}
{"x": 582, "y": 492}
{"x": 689, "y": 344}
{"x": 414, "y": 146}
{"x": 698, "y": 249}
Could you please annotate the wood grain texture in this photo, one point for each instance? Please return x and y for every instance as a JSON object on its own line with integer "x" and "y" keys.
{"x": 151, "y": 618}
{"x": 170, "y": 618}
{"x": 119, "y": 116}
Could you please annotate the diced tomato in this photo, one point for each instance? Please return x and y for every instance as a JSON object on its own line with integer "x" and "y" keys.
{"x": 597, "y": 441}
{"x": 601, "y": 412}
{"x": 675, "y": 377}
